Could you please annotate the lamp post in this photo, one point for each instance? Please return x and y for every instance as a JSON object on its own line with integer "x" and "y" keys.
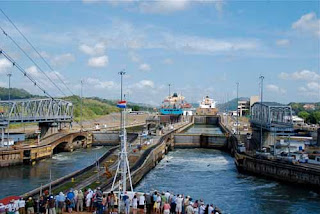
{"x": 237, "y": 108}
{"x": 81, "y": 105}
{"x": 9, "y": 91}
{"x": 261, "y": 113}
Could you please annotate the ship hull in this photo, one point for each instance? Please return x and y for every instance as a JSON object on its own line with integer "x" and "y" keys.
{"x": 169, "y": 111}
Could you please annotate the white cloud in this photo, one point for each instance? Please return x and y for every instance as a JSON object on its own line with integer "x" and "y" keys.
{"x": 144, "y": 67}
{"x": 300, "y": 75}
{"x": 283, "y": 42}
{"x": 170, "y": 6}
{"x": 194, "y": 44}
{"x": 63, "y": 59}
{"x": 33, "y": 71}
{"x": 4, "y": 65}
{"x": 275, "y": 89}
{"x": 97, "y": 49}
{"x": 308, "y": 24}
{"x": 145, "y": 84}
{"x": 101, "y": 61}
{"x": 98, "y": 84}
{"x": 168, "y": 61}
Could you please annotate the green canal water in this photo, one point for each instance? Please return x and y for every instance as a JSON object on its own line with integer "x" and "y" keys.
{"x": 20, "y": 179}
{"x": 211, "y": 175}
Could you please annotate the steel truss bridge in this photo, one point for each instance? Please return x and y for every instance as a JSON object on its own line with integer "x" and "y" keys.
{"x": 35, "y": 110}
{"x": 272, "y": 117}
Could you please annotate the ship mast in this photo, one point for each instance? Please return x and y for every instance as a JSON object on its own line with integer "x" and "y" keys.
{"x": 123, "y": 167}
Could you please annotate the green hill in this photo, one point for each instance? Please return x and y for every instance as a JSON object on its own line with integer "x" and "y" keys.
{"x": 92, "y": 108}
{"x": 15, "y": 94}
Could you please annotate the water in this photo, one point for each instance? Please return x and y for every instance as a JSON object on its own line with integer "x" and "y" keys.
{"x": 20, "y": 179}
{"x": 204, "y": 129}
{"x": 212, "y": 176}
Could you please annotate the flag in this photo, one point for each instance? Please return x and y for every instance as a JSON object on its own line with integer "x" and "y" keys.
{"x": 122, "y": 104}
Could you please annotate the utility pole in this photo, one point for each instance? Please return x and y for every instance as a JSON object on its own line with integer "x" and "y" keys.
{"x": 237, "y": 108}
{"x": 261, "y": 113}
{"x": 9, "y": 76}
{"x": 81, "y": 105}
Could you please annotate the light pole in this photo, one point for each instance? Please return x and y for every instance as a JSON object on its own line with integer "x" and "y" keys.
{"x": 261, "y": 113}
{"x": 81, "y": 105}
{"x": 237, "y": 108}
{"x": 9, "y": 92}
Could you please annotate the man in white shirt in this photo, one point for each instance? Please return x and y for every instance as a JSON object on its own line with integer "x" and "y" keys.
{"x": 179, "y": 201}
{"x": 22, "y": 205}
{"x": 167, "y": 194}
{"x": 142, "y": 199}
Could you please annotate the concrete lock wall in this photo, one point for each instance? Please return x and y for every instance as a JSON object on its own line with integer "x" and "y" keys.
{"x": 9, "y": 158}
{"x": 199, "y": 141}
{"x": 281, "y": 171}
{"x": 100, "y": 138}
{"x": 210, "y": 120}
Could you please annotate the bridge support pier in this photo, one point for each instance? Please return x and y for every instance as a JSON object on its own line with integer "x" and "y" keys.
{"x": 47, "y": 128}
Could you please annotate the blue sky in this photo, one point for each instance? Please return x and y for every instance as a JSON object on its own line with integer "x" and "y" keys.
{"x": 200, "y": 47}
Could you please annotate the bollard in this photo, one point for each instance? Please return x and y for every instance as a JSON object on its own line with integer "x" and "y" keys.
{"x": 72, "y": 180}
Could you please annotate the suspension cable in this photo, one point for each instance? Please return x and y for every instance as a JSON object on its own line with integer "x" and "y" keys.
{"x": 39, "y": 54}
{"x": 14, "y": 63}
{"x": 27, "y": 55}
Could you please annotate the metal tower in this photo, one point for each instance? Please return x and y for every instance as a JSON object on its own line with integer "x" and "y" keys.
{"x": 123, "y": 167}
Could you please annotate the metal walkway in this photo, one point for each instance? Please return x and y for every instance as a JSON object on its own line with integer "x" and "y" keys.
{"x": 35, "y": 110}
{"x": 273, "y": 117}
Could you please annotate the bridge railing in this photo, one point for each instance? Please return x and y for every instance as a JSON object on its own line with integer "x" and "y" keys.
{"x": 36, "y": 110}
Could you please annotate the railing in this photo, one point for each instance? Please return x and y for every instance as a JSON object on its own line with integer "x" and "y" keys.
{"x": 35, "y": 110}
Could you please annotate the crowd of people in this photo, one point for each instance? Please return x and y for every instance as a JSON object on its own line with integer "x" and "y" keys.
{"x": 94, "y": 201}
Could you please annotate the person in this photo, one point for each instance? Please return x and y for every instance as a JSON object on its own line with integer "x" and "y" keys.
{"x": 42, "y": 205}
{"x": 111, "y": 201}
{"x": 22, "y": 204}
{"x": 158, "y": 203}
{"x": 99, "y": 200}
{"x": 116, "y": 202}
{"x": 163, "y": 201}
{"x": 166, "y": 208}
{"x": 167, "y": 194}
{"x": 202, "y": 208}
{"x": 179, "y": 201}
{"x": 126, "y": 201}
{"x": 142, "y": 201}
{"x": 11, "y": 207}
{"x": 206, "y": 210}
{"x": 2, "y": 208}
{"x": 210, "y": 209}
{"x": 195, "y": 207}
{"x": 148, "y": 203}
{"x": 134, "y": 204}
{"x": 80, "y": 198}
{"x": 173, "y": 207}
{"x": 185, "y": 203}
{"x": 51, "y": 205}
{"x": 88, "y": 199}
{"x": 60, "y": 199}
{"x": 189, "y": 209}
{"x": 70, "y": 201}
{"x": 30, "y": 206}
{"x": 104, "y": 203}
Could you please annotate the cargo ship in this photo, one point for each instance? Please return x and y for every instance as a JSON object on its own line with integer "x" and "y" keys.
{"x": 174, "y": 105}
{"x": 207, "y": 107}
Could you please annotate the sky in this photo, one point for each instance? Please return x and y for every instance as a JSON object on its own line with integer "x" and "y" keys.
{"x": 199, "y": 47}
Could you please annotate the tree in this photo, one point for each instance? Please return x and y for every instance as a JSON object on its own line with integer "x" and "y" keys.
{"x": 304, "y": 115}
{"x": 314, "y": 117}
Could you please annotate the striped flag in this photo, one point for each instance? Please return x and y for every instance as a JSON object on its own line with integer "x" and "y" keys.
{"x": 122, "y": 104}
